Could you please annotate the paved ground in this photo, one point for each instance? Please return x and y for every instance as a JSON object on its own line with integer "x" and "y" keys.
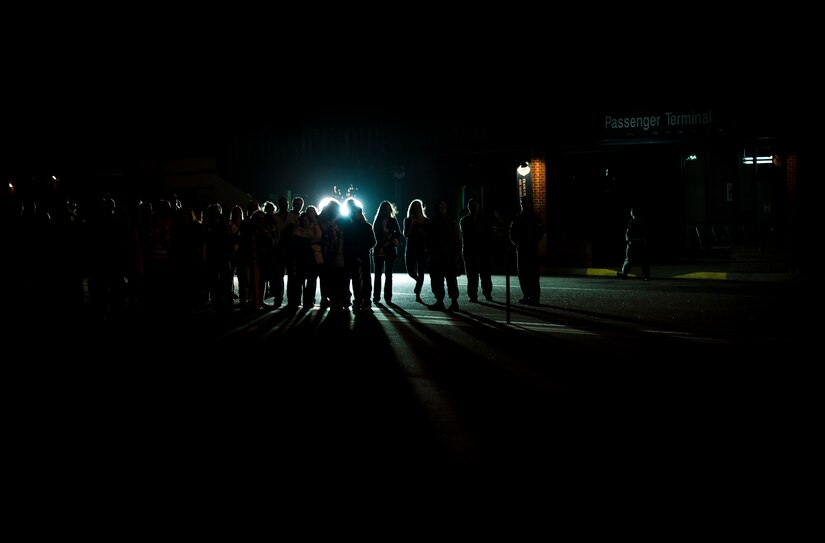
{"x": 569, "y": 401}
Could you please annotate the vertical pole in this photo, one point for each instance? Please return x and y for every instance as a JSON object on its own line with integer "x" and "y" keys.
{"x": 507, "y": 280}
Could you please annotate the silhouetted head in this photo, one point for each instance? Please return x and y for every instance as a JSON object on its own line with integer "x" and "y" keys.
{"x": 416, "y": 208}
{"x": 386, "y": 209}
{"x": 312, "y": 212}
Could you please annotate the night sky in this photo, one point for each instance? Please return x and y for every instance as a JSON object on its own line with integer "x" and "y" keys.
{"x": 102, "y": 104}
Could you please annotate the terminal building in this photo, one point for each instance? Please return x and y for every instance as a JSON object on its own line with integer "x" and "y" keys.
{"x": 711, "y": 185}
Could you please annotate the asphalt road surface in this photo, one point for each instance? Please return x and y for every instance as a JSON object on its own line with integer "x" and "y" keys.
{"x": 652, "y": 385}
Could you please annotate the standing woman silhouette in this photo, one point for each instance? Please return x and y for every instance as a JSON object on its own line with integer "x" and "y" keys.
{"x": 388, "y": 237}
{"x": 416, "y": 225}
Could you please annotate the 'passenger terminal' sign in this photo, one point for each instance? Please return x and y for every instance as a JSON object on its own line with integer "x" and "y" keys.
{"x": 657, "y": 123}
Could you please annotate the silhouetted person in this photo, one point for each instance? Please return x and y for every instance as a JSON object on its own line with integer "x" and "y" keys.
{"x": 444, "y": 246}
{"x": 526, "y": 232}
{"x": 109, "y": 248}
{"x": 160, "y": 283}
{"x": 477, "y": 237}
{"x": 415, "y": 256}
{"x": 388, "y": 237}
{"x": 271, "y": 253}
{"x": 294, "y": 285}
{"x": 334, "y": 277}
{"x": 636, "y": 251}
{"x": 246, "y": 259}
{"x": 310, "y": 256}
{"x": 236, "y": 219}
{"x": 218, "y": 246}
{"x": 254, "y": 236}
{"x": 186, "y": 251}
{"x": 359, "y": 241}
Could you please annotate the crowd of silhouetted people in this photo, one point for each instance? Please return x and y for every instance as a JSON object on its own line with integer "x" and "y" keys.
{"x": 106, "y": 258}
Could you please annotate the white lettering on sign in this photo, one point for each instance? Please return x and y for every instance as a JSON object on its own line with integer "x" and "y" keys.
{"x": 668, "y": 119}
{"x": 645, "y": 122}
{"x": 688, "y": 119}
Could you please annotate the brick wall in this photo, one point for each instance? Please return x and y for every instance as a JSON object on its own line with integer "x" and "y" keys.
{"x": 538, "y": 170}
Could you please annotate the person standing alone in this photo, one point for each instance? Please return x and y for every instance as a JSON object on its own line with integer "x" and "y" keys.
{"x": 526, "y": 232}
{"x": 636, "y": 250}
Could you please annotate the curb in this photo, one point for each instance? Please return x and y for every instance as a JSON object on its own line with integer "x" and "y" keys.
{"x": 677, "y": 272}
